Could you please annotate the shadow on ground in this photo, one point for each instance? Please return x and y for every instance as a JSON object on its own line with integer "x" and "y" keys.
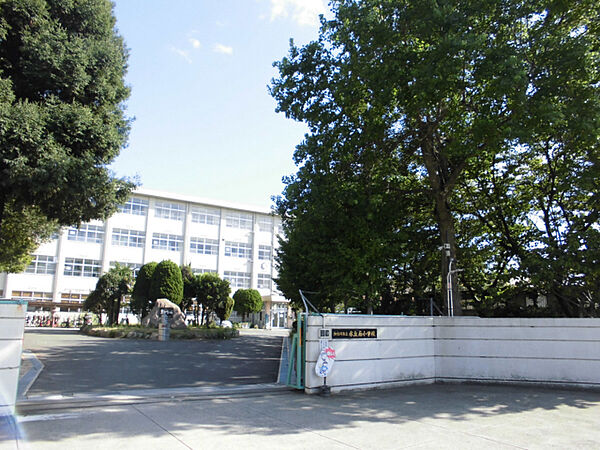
{"x": 500, "y": 413}
{"x": 75, "y": 363}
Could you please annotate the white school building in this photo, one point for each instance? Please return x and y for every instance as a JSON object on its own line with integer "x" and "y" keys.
{"x": 235, "y": 241}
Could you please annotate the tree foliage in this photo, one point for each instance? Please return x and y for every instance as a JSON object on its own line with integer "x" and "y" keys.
{"x": 109, "y": 292}
{"x": 472, "y": 125}
{"x": 19, "y": 241}
{"x": 247, "y": 301}
{"x": 141, "y": 301}
{"x": 225, "y": 308}
{"x": 211, "y": 291}
{"x": 166, "y": 282}
{"x": 189, "y": 288}
{"x": 62, "y": 93}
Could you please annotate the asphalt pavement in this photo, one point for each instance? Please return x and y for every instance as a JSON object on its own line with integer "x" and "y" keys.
{"x": 75, "y": 363}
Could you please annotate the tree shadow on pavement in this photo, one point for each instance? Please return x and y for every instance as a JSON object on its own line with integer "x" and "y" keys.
{"x": 75, "y": 363}
{"x": 414, "y": 412}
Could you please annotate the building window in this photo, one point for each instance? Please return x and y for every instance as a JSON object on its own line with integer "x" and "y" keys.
{"x": 238, "y": 280}
{"x": 209, "y": 216}
{"x": 238, "y": 220}
{"x": 41, "y": 264}
{"x": 265, "y": 223}
{"x": 171, "y": 242}
{"x": 238, "y": 250}
{"x": 264, "y": 252}
{"x": 67, "y": 297}
{"x": 135, "y": 206}
{"x": 79, "y": 267}
{"x": 34, "y": 296}
{"x": 171, "y": 211}
{"x": 86, "y": 233}
{"x": 264, "y": 281}
{"x": 135, "y": 267}
{"x": 204, "y": 246}
{"x": 128, "y": 238}
{"x": 201, "y": 271}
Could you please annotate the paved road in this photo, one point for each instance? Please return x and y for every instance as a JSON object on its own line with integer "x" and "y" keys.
{"x": 75, "y": 363}
{"x": 417, "y": 417}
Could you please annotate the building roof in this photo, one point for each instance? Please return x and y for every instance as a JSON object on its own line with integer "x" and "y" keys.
{"x": 202, "y": 201}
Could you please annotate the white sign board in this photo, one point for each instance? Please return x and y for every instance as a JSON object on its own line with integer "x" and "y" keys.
{"x": 325, "y": 362}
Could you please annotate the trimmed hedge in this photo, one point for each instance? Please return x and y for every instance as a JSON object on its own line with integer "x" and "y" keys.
{"x": 133, "y": 332}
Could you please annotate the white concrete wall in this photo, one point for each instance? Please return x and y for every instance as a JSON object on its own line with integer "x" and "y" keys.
{"x": 402, "y": 353}
{"x": 12, "y": 324}
{"x": 459, "y": 349}
{"x": 549, "y": 351}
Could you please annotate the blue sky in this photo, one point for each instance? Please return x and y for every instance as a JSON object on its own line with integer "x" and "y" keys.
{"x": 205, "y": 124}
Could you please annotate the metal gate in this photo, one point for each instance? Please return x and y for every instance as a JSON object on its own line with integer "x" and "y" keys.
{"x": 297, "y": 354}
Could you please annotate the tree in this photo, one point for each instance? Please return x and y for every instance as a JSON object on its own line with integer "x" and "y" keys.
{"x": 141, "y": 301}
{"x": 443, "y": 89}
{"x": 62, "y": 122}
{"x": 18, "y": 242}
{"x": 211, "y": 291}
{"x": 109, "y": 292}
{"x": 189, "y": 288}
{"x": 225, "y": 308}
{"x": 247, "y": 301}
{"x": 167, "y": 282}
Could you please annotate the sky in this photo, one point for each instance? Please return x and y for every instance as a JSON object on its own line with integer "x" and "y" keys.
{"x": 204, "y": 123}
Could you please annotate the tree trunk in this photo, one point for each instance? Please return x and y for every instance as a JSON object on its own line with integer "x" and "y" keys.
{"x": 442, "y": 179}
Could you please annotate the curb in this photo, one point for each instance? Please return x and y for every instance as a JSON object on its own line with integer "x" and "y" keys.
{"x": 143, "y": 396}
{"x": 31, "y": 375}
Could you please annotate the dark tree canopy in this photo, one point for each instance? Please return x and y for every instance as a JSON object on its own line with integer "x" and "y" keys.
{"x": 62, "y": 122}
{"x": 211, "y": 291}
{"x": 247, "y": 301}
{"x": 141, "y": 302}
{"x": 475, "y": 120}
{"x": 225, "y": 308}
{"x": 109, "y": 292}
{"x": 167, "y": 282}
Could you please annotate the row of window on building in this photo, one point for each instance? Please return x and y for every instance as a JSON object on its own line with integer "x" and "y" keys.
{"x": 163, "y": 241}
{"x": 205, "y": 215}
{"x": 47, "y": 296}
{"x": 82, "y": 267}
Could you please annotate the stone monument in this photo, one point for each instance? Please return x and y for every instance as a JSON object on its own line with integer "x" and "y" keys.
{"x": 153, "y": 319}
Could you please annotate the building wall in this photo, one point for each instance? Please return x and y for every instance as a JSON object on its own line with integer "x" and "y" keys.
{"x": 209, "y": 235}
{"x": 458, "y": 349}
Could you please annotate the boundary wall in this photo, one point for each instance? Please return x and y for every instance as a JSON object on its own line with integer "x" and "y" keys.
{"x": 409, "y": 350}
{"x": 12, "y": 325}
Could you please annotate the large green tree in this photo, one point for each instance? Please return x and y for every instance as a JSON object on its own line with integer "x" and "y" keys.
{"x": 109, "y": 292}
{"x": 62, "y": 122}
{"x": 441, "y": 88}
{"x": 166, "y": 282}
{"x": 141, "y": 302}
{"x": 211, "y": 291}
{"x": 247, "y": 301}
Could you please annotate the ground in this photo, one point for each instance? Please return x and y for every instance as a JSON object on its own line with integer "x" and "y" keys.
{"x": 75, "y": 363}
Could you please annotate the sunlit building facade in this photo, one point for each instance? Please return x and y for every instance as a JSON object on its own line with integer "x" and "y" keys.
{"x": 235, "y": 241}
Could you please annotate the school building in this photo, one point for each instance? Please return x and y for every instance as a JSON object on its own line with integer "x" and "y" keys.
{"x": 235, "y": 241}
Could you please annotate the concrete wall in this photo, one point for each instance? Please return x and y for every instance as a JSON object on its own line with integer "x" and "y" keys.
{"x": 549, "y": 351}
{"x": 438, "y": 349}
{"x": 12, "y": 324}
{"x": 402, "y": 353}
